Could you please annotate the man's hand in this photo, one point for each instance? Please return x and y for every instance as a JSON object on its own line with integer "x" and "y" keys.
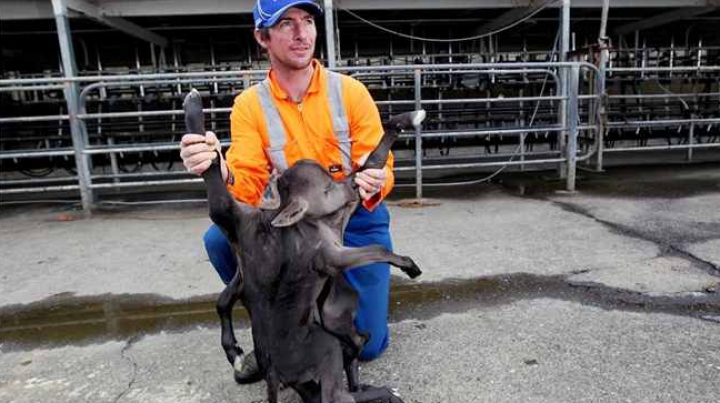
{"x": 370, "y": 182}
{"x": 198, "y": 152}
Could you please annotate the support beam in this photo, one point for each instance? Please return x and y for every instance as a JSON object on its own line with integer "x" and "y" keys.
{"x": 330, "y": 33}
{"x": 662, "y": 19}
{"x": 98, "y": 14}
{"x": 564, "y": 77}
{"x": 67, "y": 54}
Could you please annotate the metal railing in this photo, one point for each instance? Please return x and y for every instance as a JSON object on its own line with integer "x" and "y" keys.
{"x": 658, "y": 108}
{"x": 417, "y": 79}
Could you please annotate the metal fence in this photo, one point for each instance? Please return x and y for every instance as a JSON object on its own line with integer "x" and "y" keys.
{"x": 559, "y": 102}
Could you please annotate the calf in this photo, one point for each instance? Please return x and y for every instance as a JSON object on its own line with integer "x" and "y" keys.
{"x": 289, "y": 275}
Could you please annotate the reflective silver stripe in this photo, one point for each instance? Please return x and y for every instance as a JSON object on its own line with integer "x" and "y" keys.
{"x": 339, "y": 119}
{"x": 275, "y": 128}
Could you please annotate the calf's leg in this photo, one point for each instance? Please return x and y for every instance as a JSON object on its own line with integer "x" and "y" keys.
{"x": 348, "y": 258}
{"x": 224, "y": 306}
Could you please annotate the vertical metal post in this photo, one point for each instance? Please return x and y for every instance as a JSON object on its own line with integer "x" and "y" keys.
{"x": 418, "y": 136}
{"x": 521, "y": 118}
{"x": 330, "y": 33}
{"x": 564, "y": 48}
{"x": 572, "y": 115}
{"x": 691, "y": 138}
{"x": 71, "y": 97}
{"x": 603, "y": 41}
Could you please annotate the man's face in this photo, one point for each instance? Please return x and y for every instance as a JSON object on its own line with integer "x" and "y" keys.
{"x": 291, "y": 43}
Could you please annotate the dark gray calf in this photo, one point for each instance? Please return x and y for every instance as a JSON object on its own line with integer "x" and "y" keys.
{"x": 289, "y": 277}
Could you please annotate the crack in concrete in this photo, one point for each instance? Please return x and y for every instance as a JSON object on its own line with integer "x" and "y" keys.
{"x": 666, "y": 248}
{"x": 461, "y": 295}
{"x": 126, "y": 347}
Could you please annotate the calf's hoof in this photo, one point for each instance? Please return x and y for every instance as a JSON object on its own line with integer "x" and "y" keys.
{"x": 248, "y": 371}
{"x": 412, "y": 270}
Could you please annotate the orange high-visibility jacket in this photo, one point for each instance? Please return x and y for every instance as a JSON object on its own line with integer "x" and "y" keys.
{"x": 309, "y": 130}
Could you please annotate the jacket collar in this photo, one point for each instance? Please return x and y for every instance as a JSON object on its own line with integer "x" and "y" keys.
{"x": 316, "y": 82}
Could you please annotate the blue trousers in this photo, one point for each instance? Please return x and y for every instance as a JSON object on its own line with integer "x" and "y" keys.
{"x": 372, "y": 282}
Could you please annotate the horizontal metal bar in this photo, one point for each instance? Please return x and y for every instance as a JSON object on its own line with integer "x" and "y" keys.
{"x": 28, "y": 119}
{"x": 36, "y": 153}
{"x": 508, "y": 65}
{"x": 145, "y": 183}
{"x": 32, "y": 88}
{"x": 663, "y": 96}
{"x": 467, "y": 133}
{"x": 661, "y": 122}
{"x": 131, "y": 77}
{"x": 112, "y": 115}
{"x": 132, "y": 148}
{"x": 663, "y": 69}
{"x": 230, "y": 73}
{"x": 661, "y": 148}
{"x": 491, "y": 100}
{"x": 41, "y": 189}
{"x": 383, "y": 74}
{"x": 483, "y": 164}
{"x": 15, "y": 182}
{"x": 140, "y": 175}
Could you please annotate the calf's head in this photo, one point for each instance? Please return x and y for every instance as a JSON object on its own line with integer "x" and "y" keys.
{"x": 307, "y": 190}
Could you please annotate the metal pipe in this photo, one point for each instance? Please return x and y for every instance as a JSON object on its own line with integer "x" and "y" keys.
{"x": 691, "y": 140}
{"x": 43, "y": 189}
{"x": 664, "y": 96}
{"x": 483, "y": 164}
{"x": 36, "y": 154}
{"x": 666, "y": 122}
{"x": 35, "y": 181}
{"x": 330, "y": 33}
{"x": 418, "y": 136}
{"x": 572, "y": 115}
{"x": 662, "y": 148}
{"x": 32, "y": 88}
{"x": 675, "y": 69}
{"x": 232, "y": 73}
{"x": 603, "y": 42}
{"x": 71, "y": 97}
{"x": 85, "y": 116}
{"x": 564, "y": 49}
{"x": 145, "y": 183}
{"x": 29, "y": 119}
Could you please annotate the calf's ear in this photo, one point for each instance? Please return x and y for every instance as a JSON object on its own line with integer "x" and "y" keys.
{"x": 291, "y": 214}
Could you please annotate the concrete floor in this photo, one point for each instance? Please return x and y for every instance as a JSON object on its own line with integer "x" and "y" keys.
{"x": 610, "y": 294}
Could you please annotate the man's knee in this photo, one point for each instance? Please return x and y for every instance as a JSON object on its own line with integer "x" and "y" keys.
{"x": 220, "y": 253}
{"x": 376, "y": 345}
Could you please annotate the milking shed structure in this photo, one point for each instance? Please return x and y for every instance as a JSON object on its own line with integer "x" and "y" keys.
{"x": 91, "y": 90}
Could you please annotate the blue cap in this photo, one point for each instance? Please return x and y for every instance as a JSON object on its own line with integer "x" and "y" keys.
{"x": 267, "y": 12}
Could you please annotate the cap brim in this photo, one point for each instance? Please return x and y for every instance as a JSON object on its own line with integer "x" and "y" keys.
{"x": 308, "y": 5}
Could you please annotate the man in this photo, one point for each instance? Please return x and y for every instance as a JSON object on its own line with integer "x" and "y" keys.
{"x": 303, "y": 111}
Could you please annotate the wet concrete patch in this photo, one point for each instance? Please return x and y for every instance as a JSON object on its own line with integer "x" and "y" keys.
{"x": 83, "y": 320}
{"x": 63, "y": 320}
